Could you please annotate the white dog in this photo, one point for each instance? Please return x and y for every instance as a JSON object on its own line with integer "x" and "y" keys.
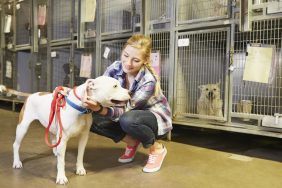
{"x": 209, "y": 102}
{"x": 105, "y": 90}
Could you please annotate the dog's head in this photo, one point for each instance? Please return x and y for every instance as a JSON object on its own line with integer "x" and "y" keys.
{"x": 107, "y": 91}
{"x": 210, "y": 91}
{"x": 3, "y": 89}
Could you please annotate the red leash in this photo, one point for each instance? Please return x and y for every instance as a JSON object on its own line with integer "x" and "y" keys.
{"x": 57, "y": 102}
{"x": 74, "y": 92}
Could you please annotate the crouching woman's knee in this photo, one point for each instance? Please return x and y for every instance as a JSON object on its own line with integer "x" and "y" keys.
{"x": 128, "y": 121}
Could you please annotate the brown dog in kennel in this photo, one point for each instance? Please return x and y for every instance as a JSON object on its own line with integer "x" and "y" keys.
{"x": 210, "y": 102}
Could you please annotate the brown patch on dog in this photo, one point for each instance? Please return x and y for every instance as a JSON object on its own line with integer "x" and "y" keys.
{"x": 43, "y": 93}
{"x": 23, "y": 108}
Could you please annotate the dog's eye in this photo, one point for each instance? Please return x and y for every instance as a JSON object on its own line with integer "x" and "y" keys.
{"x": 207, "y": 89}
{"x": 115, "y": 86}
{"x": 214, "y": 89}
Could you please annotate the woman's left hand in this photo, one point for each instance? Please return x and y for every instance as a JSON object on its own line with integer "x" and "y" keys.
{"x": 90, "y": 104}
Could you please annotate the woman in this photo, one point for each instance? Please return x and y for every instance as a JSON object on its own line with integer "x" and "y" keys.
{"x": 147, "y": 116}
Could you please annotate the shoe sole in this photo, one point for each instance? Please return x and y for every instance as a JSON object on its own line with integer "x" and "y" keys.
{"x": 126, "y": 160}
{"x": 149, "y": 170}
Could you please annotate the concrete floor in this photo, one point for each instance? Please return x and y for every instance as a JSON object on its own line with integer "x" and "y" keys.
{"x": 196, "y": 158}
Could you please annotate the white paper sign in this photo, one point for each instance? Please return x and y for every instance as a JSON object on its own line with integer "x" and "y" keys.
{"x": 41, "y": 14}
{"x": 258, "y": 64}
{"x": 90, "y": 11}
{"x": 8, "y": 69}
{"x": 18, "y": 6}
{"x": 106, "y": 52}
{"x": 53, "y": 54}
{"x": 183, "y": 42}
{"x": 86, "y": 66}
{"x": 8, "y": 21}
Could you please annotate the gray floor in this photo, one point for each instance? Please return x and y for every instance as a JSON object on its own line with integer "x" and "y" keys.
{"x": 196, "y": 158}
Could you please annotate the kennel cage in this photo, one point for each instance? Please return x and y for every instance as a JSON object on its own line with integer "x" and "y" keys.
{"x": 253, "y": 101}
{"x": 189, "y": 11}
{"x": 116, "y": 16}
{"x": 161, "y": 57}
{"x": 201, "y": 59}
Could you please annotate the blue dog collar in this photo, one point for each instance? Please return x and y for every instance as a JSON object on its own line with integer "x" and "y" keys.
{"x": 79, "y": 108}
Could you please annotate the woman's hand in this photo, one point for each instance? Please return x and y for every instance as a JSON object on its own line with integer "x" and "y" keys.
{"x": 92, "y": 105}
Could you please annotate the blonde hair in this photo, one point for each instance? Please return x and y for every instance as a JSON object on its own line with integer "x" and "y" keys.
{"x": 144, "y": 44}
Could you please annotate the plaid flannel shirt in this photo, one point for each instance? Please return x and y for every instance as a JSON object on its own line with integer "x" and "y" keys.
{"x": 142, "y": 96}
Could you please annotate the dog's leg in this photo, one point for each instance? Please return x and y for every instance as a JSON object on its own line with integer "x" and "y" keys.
{"x": 54, "y": 141}
{"x": 61, "y": 150}
{"x": 81, "y": 148}
{"x": 20, "y": 133}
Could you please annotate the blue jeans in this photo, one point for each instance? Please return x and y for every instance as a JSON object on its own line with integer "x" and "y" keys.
{"x": 142, "y": 125}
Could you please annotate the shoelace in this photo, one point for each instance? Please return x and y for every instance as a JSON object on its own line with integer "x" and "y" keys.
{"x": 152, "y": 158}
{"x": 128, "y": 151}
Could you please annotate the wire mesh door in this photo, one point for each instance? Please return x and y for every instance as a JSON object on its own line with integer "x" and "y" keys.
{"x": 61, "y": 19}
{"x": 116, "y": 16}
{"x": 161, "y": 48}
{"x": 161, "y": 13}
{"x": 111, "y": 52}
{"x": 201, "y": 10}
{"x": 253, "y": 100}
{"x": 201, "y": 89}
{"x": 61, "y": 68}
{"x": 23, "y": 22}
{"x": 88, "y": 51}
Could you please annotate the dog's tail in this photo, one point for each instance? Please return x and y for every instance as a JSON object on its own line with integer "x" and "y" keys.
{"x": 9, "y": 92}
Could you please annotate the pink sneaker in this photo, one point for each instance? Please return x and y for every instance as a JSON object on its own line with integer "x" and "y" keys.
{"x": 129, "y": 153}
{"x": 155, "y": 161}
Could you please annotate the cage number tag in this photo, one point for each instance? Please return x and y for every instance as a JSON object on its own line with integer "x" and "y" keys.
{"x": 8, "y": 69}
{"x": 53, "y": 54}
{"x": 106, "y": 52}
{"x": 183, "y": 42}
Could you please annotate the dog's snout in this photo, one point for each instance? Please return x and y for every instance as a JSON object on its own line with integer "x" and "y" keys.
{"x": 210, "y": 94}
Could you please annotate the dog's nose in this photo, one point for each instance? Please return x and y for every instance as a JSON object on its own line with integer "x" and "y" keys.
{"x": 210, "y": 94}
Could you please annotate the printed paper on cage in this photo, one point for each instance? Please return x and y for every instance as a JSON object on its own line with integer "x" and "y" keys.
{"x": 86, "y": 66}
{"x": 106, "y": 53}
{"x": 7, "y": 24}
{"x": 90, "y": 11}
{"x": 41, "y": 14}
{"x": 258, "y": 64}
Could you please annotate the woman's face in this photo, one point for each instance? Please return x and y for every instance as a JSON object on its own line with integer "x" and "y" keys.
{"x": 131, "y": 59}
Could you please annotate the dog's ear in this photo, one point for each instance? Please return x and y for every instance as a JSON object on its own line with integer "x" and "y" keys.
{"x": 90, "y": 84}
{"x": 200, "y": 87}
{"x": 218, "y": 84}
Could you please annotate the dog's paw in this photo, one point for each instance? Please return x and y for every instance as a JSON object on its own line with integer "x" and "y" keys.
{"x": 62, "y": 180}
{"x": 17, "y": 164}
{"x": 81, "y": 171}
